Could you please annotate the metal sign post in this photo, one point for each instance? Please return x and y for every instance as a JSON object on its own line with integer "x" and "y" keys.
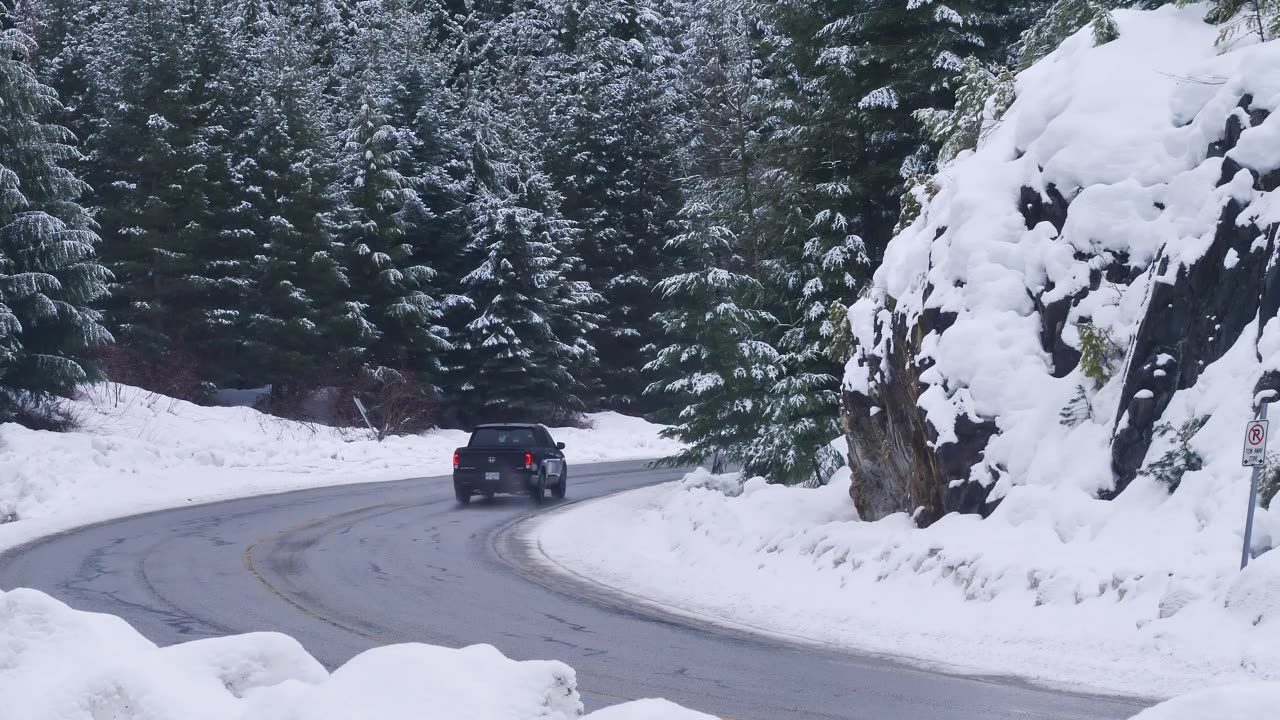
{"x": 365, "y": 415}
{"x": 1255, "y": 456}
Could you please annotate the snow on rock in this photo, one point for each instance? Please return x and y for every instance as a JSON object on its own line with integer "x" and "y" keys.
{"x": 1126, "y": 199}
{"x": 1242, "y": 701}
{"x": 139, "y": 451}
{"x": 57, "y": 663}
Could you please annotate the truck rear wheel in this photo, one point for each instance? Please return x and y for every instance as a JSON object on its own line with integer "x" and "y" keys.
{"x": 464, "y": 498}
{"x": 538, "y": 491}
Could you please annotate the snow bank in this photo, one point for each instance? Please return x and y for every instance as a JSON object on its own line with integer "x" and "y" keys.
{"x": 1245, "y": 701}
{"x": 139, "y": 451}
{"x": 1065, "y": 590}
{"x": 61, "y": 664}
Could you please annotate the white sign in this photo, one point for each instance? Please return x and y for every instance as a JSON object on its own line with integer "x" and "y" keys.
{"x": 1255, "y": 444}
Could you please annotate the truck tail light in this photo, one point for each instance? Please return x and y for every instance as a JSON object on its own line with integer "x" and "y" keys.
{"x": 528, "y": 460}
{"x": 455, "y": 459}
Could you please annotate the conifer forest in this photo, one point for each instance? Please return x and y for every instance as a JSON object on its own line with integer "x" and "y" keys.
{"x": 470, "y": 210}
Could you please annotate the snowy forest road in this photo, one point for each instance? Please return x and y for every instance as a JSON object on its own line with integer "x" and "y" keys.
{"x": 346, "y": 568}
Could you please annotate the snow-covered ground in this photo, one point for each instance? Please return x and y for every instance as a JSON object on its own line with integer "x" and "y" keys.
{"x": 1083, "y": 594}
{"x": 57, "y": 663}
{"x": 139, "y": 451}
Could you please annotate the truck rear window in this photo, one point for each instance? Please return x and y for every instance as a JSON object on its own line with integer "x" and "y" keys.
{"x": 492, "y": 437}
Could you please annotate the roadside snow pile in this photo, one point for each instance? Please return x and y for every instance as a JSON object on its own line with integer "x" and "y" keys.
{"x": 139, "y": 451}
{"x": 61, "y": 664}
{"x": 1131, "y": 195}
{"x": 1056, "y": 592}
{"x": 1243, "y": 701}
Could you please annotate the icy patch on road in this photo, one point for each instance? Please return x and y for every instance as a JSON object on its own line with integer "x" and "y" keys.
{"x": 61, "y": 664}
{"x": 139, "y": 451}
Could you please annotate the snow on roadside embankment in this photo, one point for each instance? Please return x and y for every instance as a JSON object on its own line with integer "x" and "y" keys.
{"x": 1137, "y": 595}
{"x": 139, "y": 451}
{"x": 61, "y": 664}
{"x": 1131, "y": 611}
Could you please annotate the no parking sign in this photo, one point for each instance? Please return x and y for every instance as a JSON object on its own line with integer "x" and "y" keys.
{"x": 1255, "y": 443}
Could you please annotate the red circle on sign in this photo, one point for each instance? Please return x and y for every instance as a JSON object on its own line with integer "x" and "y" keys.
{"x": 1255, "y": 435}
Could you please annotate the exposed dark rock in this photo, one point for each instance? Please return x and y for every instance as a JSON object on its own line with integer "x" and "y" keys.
{"x": 1268, "y": 182}
{"x": 894, "y": 469}
{"x": 1230, "y": 136}
{"x": 956, "y": 459}
{"x": 1053, "y": 318}
{"x": 1269, "y": 382}
{"x": 1231, "y": 168}
{"x": 1193, "y": 320}
{"x": 1050, "y": 207}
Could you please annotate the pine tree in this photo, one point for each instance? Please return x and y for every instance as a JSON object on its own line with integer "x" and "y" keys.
{"x": 714, "y": 359}
{"x": 522, "y": 332}
{"x": 612, "y": 116}
{"x": 49, "y": 276}
{"x": 395, "y": 319}
{"x": 528, "y": 334}
{"x": 983, "y": 95}
{"x": 162, "y": 157}
{"x": 398, "y": 330}
{"x": 290, "y": 180}
{"x": 1258, "y": 20}
{"x": 1063, "y": 19}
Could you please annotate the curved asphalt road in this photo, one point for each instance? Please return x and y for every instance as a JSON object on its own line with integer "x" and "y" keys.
{"x": 347, "y": 568}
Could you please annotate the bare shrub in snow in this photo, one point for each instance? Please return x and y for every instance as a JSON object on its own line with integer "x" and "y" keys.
{"x": 42, "y": 413}
{"x": 177, "y": 375}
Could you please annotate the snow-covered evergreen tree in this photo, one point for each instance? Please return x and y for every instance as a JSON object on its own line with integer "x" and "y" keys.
{"x": 1062, "y": 19}
{"x": 49, "y": 276}
{"x": 714, "y": 360}
{"x": 528, "y": 333}
{"x": 162, "y": 158}
{"x": 290, "y": 178}
{"x": 607, "y": 95}
{"x": 1244, "y": 20}
{"x": 396, "y": 326}
{"x": 982, "y": 96}
{"x": 524, "y": 342}
{"x": 394, "y": 319}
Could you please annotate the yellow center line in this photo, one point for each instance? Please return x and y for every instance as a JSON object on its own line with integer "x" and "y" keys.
{"x": 283, "y": 597}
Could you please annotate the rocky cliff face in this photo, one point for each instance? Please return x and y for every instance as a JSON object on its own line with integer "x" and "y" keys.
{"x": 1109, "y": 243}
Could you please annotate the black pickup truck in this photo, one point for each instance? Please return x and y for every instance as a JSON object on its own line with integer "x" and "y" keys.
{"x": 513, "y": 458}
